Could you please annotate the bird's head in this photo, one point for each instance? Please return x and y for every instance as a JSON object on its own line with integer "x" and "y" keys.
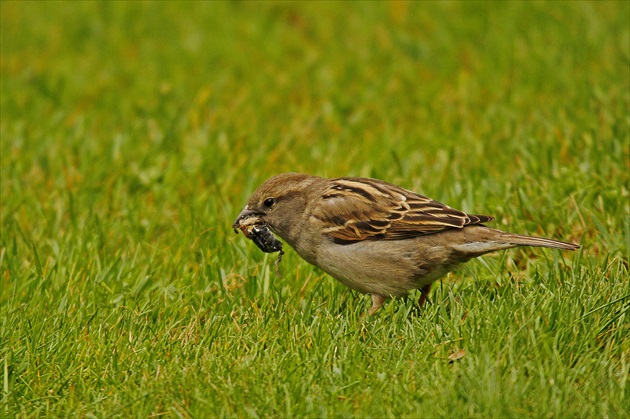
{"x": 279, "y": 203}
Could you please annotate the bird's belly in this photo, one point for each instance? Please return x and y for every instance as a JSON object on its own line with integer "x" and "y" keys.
{"x": 381, "y": 267}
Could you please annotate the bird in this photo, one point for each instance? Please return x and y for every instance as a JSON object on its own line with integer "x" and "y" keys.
{"x": 373, "y": 236}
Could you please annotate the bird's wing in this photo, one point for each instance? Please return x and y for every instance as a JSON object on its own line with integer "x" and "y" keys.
{"x": 356, "y": 209}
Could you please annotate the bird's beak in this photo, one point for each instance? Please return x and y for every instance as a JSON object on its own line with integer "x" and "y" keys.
{"x": 246, "y": 213}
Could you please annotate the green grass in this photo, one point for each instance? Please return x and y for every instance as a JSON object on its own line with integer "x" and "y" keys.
{"x": 133, "y": 133}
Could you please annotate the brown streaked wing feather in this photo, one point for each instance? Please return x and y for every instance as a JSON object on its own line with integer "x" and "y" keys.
{"x": 356, "y": 209}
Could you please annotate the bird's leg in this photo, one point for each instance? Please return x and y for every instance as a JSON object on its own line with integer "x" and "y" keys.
{"x": 377, "y": 302}
{"x": 424, "y": 295}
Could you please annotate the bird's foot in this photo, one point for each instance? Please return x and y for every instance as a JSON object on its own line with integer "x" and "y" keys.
{"x": 424, "y": 295}
{"x": 377, "y": 302}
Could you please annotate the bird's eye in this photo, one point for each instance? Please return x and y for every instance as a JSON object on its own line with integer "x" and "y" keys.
{"x": 269, "y": 202}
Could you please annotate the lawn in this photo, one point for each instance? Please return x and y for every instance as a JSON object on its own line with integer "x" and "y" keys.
{"x": 134, "y": 132}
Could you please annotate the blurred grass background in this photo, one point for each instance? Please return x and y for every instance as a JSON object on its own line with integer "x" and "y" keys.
{"x": 133, "y": 133}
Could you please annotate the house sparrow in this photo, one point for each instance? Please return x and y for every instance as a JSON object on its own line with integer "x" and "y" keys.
{"x": 372, "y": 236}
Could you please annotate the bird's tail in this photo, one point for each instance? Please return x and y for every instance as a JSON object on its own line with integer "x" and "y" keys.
{"x": 521, "y": 240}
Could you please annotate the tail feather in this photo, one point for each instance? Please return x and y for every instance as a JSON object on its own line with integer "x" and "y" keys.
{"x": 521, "y": 240}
